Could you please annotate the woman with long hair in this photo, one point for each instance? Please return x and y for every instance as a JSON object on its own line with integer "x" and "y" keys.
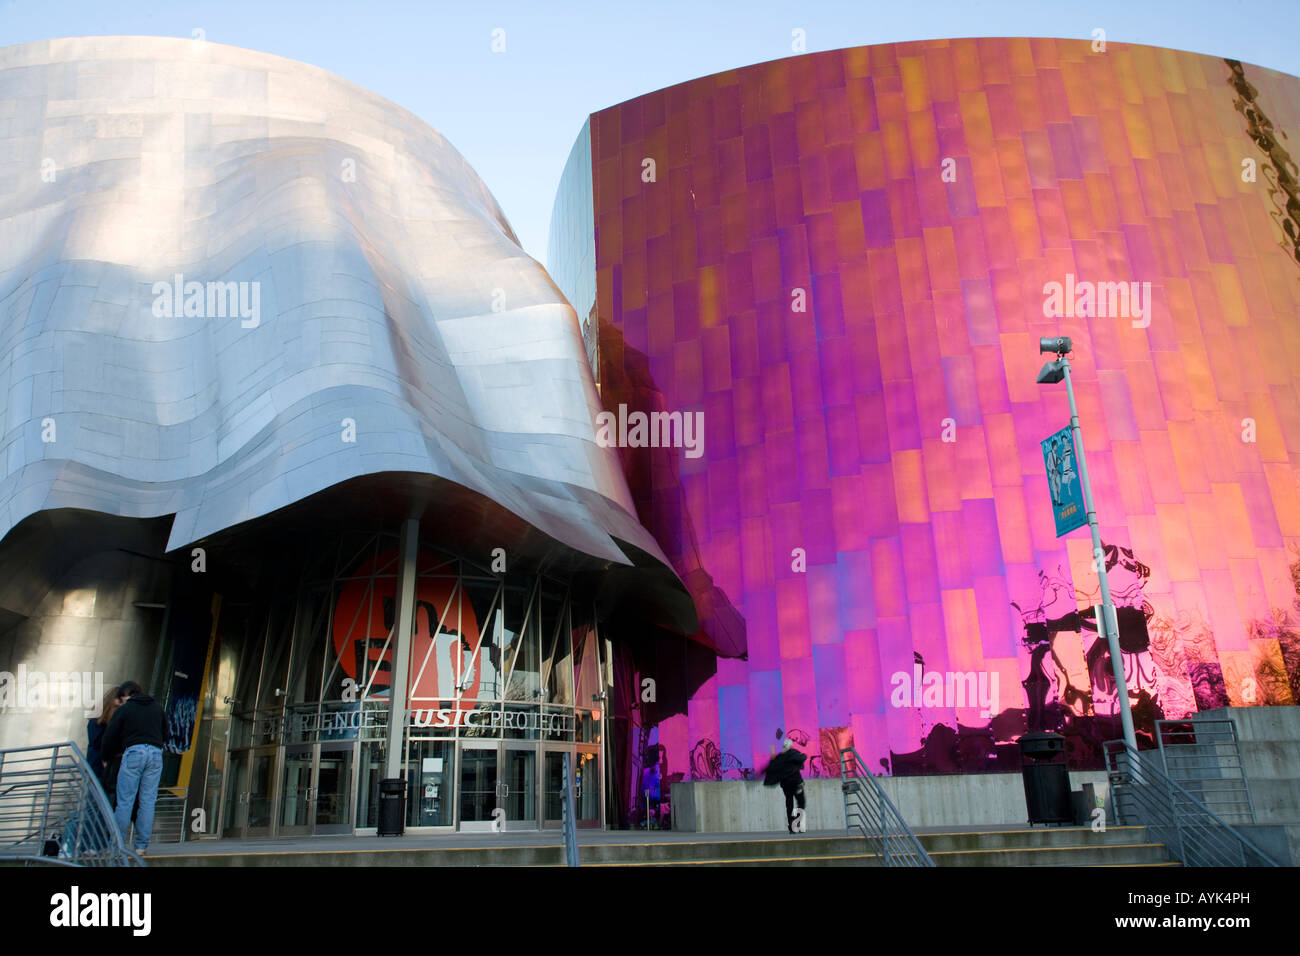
{"x": 95, "y": 730}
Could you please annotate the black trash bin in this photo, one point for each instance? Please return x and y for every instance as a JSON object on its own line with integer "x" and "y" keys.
{"x": 392, "y": 807}
{"x": 1047, "y": 779}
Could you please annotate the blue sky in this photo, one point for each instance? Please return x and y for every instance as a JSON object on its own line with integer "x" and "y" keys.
{"x": 514, "y": 115}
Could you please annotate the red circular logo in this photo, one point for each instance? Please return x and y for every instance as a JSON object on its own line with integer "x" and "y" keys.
{"x": 443, "y": 660}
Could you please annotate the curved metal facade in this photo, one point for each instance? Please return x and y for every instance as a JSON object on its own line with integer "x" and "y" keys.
{"x": 229, "y": 281}
{"x": 843, "y": 261}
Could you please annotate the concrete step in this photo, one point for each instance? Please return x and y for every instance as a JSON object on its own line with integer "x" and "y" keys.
{"x": 426, "y": 856}
{"x": 852, "y": 859}
{"x": 1037, "y": 838}
{"x": 1133, "y": 854}
{"x": 632, "y": 853}
{"x": 1065, "y": 846}
{"x": 694, "y": 851}
{"x": 1102, "y": 866}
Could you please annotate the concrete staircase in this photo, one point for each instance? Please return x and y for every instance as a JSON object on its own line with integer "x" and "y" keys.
{"x": 811, "y": 850}
{"x": 1056, "y": 846}
{"x": 1072, "y": 846}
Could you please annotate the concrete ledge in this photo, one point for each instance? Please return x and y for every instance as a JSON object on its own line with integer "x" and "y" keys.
{"x": 1259, "y": 723}
{"x": 1269, "y": 737}
{"x": 1270, "y": 759}
{"x": 746, "y": 806}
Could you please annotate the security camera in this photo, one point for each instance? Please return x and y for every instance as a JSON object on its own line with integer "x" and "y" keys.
{"x": 1057, "y": 346}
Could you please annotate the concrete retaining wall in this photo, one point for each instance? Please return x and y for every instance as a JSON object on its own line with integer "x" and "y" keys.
{"x": 1270, "y": 746}
{"x": 1270, "y": 756}
{"x": 1280, "y": 841}
{"x": 956, "y": 800}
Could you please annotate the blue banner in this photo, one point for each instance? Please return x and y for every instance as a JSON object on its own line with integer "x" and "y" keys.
{"x": 1063, "y": 482}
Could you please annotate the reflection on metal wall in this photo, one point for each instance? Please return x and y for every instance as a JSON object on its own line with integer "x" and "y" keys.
{"x": 844, "y": 261}
{"x": 99, "y": 623}
{"x": 571, "y": 245}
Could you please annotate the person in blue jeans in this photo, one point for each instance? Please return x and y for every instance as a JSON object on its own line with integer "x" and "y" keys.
{"x": 137, "y": 732}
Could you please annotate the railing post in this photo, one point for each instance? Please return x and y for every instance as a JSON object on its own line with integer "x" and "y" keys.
{"x": 49, "y": 792}
{"x": 1173, "y": 816}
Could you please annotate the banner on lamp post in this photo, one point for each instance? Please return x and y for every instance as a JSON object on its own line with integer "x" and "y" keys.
{"x": 1063, "y": 482}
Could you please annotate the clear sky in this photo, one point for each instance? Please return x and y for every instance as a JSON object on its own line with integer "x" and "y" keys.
{"x": 514, "y": 115}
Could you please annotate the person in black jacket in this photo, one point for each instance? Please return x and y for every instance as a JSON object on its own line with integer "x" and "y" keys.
{"x": 784, "y": 769}
{"x": 137, "y": 732}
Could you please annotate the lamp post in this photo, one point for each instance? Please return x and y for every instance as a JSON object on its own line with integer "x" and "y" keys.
{"x": 1108, "y": 625}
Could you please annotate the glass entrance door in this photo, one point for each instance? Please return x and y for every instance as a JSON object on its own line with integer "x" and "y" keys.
{"x": 431, "y": 771}
{"x": 234, "y": 810}
{"x": 553, "y": 799}
{"x": 296, "y": 791}
{"x": 586, "y": 787}
{"x": 520, "y": 778}
{"x": 479, "y": 786}
{"x": 250, "y": 793}
{"x": 261, "y": 791}
{"x": 584, "y": 771}
{"x": 332, "y": 789}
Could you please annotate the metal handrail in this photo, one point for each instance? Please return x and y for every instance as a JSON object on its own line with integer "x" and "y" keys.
{"x": 170, "y": 815}
{"x": 54, "y": 811}
{"x": 868, "y": 809}
{"x": 1204, "y": 755}
{"x": 1193, "y": 833}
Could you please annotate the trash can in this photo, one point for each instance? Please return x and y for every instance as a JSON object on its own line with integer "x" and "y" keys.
{"x": 392, "y": 807}
{"x": 1047, "y": 779}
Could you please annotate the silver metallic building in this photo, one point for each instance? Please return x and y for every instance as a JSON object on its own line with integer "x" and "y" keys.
{"x": 248, "y": 309}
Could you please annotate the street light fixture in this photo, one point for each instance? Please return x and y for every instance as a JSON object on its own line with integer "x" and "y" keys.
{"x": 1108, "y": 625}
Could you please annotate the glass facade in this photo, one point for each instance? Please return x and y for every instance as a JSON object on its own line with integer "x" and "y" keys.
{"x": 504, "y": 679}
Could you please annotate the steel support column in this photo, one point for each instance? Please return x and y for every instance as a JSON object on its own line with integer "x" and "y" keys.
{"x": 408, "y": 549}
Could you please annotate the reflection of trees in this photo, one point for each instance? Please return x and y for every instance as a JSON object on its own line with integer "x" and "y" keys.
{"x": 1277, "y": 676}
{"x": 1169, "y": 648}
{"x": 1281, "y": 172}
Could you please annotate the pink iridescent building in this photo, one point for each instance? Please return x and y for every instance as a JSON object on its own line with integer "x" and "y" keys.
{"x": 841, "y": 259}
